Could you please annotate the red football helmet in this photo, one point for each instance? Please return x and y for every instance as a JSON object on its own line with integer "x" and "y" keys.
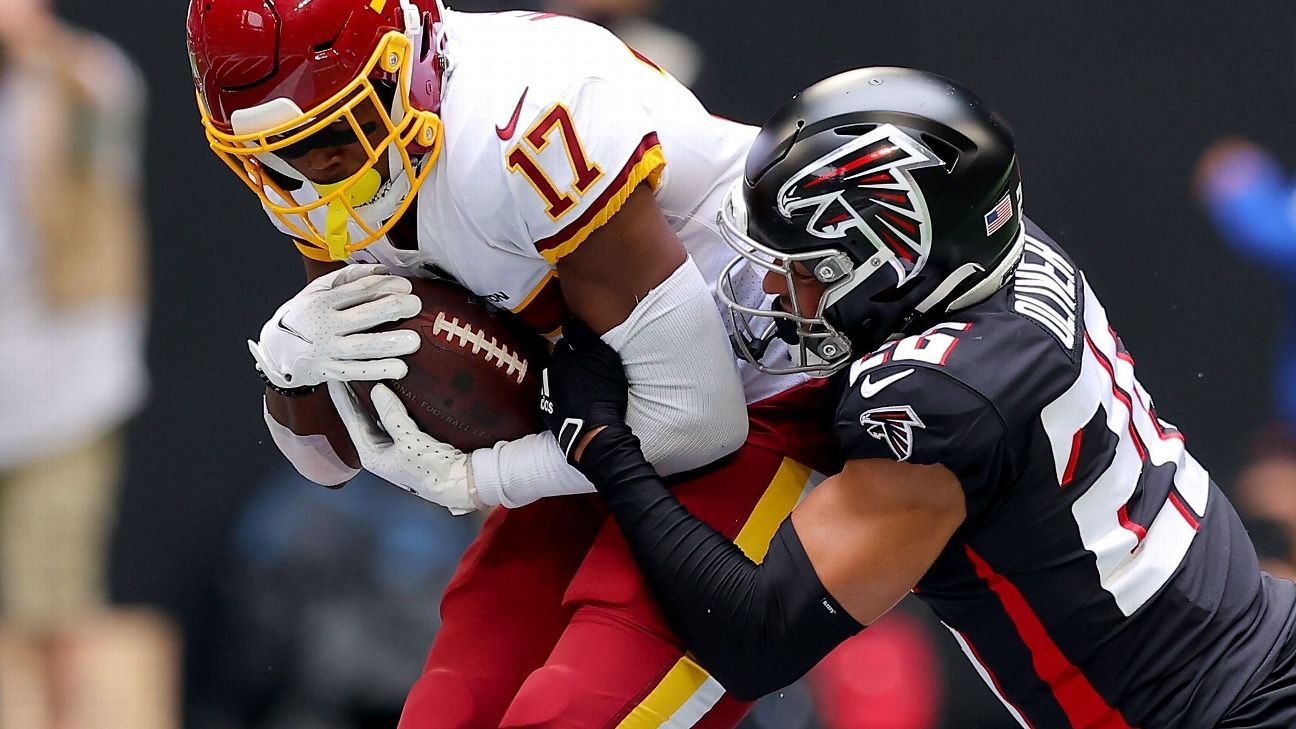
{"x": 271, "y": 73}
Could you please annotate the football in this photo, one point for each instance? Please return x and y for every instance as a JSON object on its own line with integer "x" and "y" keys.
{"x": 475, "y": 379}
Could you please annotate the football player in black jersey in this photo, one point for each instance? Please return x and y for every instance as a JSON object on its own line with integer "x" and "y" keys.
{"x": 1001, "y": 459}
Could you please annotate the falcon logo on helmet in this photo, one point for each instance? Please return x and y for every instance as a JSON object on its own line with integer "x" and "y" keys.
{"x": 866, "y": 195}
{"x": 866, "y": 186}
{"x": 894, "y": 425}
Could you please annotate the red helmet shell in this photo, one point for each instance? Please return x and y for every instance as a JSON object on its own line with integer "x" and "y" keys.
{"x": 248, "y": 52}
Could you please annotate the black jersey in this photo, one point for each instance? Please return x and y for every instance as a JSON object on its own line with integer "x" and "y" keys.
{"x": 1101, "y": 580}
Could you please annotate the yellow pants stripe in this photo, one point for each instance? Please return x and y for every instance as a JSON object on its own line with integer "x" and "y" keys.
{"x": 687, "y": 691}
{"x": 774, "y": 506}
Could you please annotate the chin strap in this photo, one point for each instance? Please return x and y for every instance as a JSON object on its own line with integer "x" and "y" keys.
{"x": 337, "y": 231}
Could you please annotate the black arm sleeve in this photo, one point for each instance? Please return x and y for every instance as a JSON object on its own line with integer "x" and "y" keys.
{"x": 755, "y": 628}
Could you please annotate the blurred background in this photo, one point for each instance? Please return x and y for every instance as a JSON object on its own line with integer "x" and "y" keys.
{"x": 1156, "y": 145}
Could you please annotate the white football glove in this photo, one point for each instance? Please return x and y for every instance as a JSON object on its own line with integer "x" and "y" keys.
{"x": 319, "y": 334}
{"x": 405, "y": 455}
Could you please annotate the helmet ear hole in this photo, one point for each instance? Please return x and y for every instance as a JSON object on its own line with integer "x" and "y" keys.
{"x": 948, "y": 153}
{"x": 426, "y": 49}
{"x": 896, "y": 293}
{"x": 854, "y": 130}
{"x": 774, "y": 155}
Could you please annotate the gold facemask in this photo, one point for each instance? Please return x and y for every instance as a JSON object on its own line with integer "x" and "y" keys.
{"x": 340, "y": 200}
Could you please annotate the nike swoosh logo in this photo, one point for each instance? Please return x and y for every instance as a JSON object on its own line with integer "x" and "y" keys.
{"x": 506, "y": 132}
{"x": 869, "y": 388}
{"x": 293, "y": 332}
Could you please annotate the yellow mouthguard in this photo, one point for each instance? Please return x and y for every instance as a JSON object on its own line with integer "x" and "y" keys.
{"x": 336, "y": 232}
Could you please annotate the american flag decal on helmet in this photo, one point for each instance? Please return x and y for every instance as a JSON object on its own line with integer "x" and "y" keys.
{"x": 1002, "y": 213}
{"x": 866, "y": 186}
{"x": 893, "y": 425}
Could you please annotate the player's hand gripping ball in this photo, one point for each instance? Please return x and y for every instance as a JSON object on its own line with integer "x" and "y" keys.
{"x": 475, "y": 378}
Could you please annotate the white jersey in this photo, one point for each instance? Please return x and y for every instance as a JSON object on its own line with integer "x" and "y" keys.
{"x": 550, "y": 123}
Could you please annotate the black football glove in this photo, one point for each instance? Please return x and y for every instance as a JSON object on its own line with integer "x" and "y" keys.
{"x": 584, "y": 387}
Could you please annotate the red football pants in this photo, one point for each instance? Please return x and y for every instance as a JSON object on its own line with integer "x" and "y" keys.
{"x": 548, "y": 623}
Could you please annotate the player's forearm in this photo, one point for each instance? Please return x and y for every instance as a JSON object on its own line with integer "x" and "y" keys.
{"x": 686, "y": 398}
{"x": 312, "y": 415}
{"x": 328, "y": 340}
{"x": 755, "y": 627}
{"x": 519, "y": 472}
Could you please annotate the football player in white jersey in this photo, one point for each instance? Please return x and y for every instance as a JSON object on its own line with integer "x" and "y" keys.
{"x": 546, "y": 166}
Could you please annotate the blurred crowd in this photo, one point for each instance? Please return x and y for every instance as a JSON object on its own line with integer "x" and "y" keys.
{"x": 1251, "y": 199}
{"x": 72, "y": 317}
{"x": 329, "y": 599}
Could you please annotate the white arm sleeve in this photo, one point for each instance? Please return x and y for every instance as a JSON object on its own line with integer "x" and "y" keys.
{"x": 686, "y": 398}
{"x": 517, "y": 472}
{"x": 312, "y": 455}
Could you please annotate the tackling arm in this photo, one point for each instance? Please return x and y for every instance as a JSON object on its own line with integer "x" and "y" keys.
{"x": 848, "y": 553}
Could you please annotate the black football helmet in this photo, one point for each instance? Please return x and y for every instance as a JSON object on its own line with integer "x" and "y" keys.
{"x": 898, "y": 189}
